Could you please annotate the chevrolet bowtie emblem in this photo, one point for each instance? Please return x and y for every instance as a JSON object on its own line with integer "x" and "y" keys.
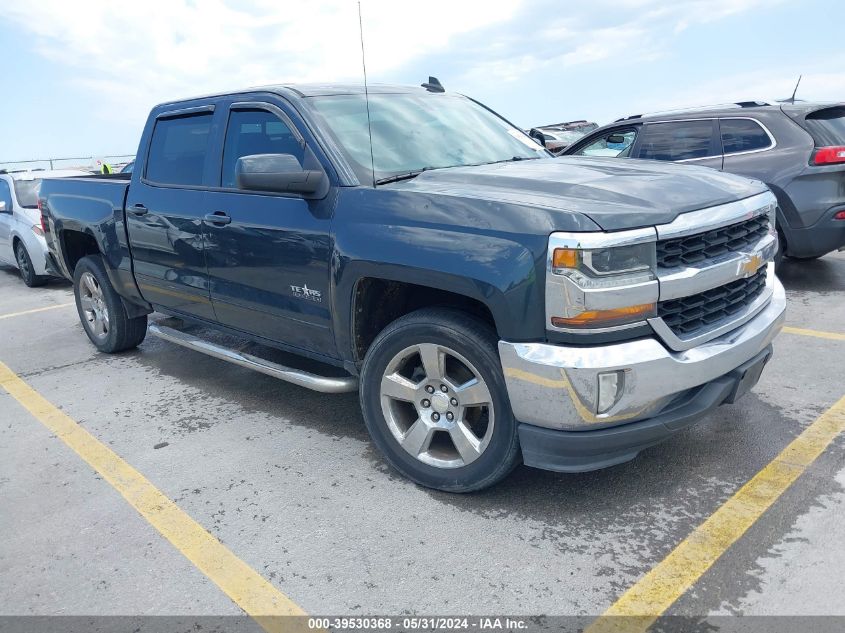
{"x": 750, "y": 264}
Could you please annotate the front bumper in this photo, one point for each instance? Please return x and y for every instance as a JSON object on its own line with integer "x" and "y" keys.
{"x": 555, "y": 387}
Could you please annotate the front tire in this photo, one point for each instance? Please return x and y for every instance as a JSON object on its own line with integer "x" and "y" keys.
{"x": 435, "y": 401}
{"x": 26, "y": 268}
{"x": 102, "y": 312}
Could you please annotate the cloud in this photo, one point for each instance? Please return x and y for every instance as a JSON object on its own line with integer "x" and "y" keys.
{"x": 626, "y": 32}
{"x": 772, "y": 85}
{"x": 534, "y": 60}
{"x": 134, "y": 54}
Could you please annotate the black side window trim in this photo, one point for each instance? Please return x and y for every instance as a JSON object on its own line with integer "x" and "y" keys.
{"x": 174, "y": 114}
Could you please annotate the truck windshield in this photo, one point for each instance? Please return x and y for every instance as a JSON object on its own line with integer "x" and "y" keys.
{"x": 414, "y": 132}
{"x": 26, "y": 191}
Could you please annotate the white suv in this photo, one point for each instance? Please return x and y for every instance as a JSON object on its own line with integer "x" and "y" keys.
{"x": 21, "y": 238}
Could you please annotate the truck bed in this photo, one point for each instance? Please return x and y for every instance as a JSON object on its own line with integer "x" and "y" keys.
{"x": 92, "y": 205}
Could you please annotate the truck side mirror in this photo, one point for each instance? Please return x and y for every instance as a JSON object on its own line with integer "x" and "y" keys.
{"x": 276, "y": 172}
{"x": 3, "y": 208}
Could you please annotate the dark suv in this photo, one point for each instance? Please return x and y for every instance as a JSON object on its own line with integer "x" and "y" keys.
{"x": 798, "y": 150}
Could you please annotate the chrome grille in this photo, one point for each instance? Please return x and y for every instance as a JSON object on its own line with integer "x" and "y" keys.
{"x": 683, "y": 251}
{"x": 687, "y": 315}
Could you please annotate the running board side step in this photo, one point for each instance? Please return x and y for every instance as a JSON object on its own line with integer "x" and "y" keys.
{"x": 299, "y": 377}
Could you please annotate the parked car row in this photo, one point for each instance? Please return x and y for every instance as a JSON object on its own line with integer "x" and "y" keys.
{"x": 798, "y": 150}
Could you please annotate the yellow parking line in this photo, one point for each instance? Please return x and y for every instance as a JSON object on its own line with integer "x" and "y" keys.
{"x": 34, "y": 310}
{"x": 834, "y": 336}
{"x": 246, "y": 587}
{"x": 655, "y": 592}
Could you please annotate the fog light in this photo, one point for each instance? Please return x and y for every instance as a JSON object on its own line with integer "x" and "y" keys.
{"x": 610, "y": 389}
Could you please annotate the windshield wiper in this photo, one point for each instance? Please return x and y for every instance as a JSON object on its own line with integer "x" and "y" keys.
{"x": 518, "y": 158}
{"x": 403, "y": 176}
{"x": 416, "y": 172}
{"x": 504, "y": 160}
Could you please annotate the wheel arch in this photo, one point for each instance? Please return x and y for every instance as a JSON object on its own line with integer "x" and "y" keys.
{"x": 74, "y": 244}
{"x": 377, "y": 301}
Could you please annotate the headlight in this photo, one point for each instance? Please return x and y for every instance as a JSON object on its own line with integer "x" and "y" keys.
{"x": 601, "y": 280}
{"x": 773, "y": 219}
{"x": 606, "y": 267}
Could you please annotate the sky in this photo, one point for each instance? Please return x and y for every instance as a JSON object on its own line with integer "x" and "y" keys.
{"x": 80, "y": 77}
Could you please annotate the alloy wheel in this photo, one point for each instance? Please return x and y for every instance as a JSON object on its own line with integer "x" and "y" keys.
{"x": 437, "y": 405}
{"x": 94, "y": 306}
{"x": 23, "y": 262}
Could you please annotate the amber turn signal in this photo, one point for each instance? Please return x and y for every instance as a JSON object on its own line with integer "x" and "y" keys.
{"x": 565, "y": 258}
{"x": 606, "y": 318}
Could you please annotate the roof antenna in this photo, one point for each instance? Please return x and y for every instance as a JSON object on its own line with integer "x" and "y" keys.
{"x": 366, "y": 94}
{"x": 433, "y": 85}
{"x": 794, "y": 92}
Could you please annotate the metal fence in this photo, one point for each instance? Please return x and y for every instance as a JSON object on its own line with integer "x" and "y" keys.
{"x": 116, "y": 161}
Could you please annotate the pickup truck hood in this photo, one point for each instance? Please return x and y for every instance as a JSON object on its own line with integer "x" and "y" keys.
{"x": 614, "y": 193}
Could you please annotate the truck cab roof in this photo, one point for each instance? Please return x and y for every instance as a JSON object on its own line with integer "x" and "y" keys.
{"x": 305, "y": 90}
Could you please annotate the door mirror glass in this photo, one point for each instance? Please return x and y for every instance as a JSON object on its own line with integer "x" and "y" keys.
{"x": 3, "y": 208}
{"x": 276, "y": 172}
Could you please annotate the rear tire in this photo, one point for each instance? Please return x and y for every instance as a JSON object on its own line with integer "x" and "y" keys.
{"x": 101, "y": 310}
{"x": 26, "y": 269}
{"x": 435, "y": 401}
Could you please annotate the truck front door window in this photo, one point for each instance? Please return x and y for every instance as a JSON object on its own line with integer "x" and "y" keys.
{"x": 256, "y": 132}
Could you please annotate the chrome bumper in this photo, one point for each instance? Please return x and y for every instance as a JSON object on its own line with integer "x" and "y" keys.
{"x": 556, "y": 386}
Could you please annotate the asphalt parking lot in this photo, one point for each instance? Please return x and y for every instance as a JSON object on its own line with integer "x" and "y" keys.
{"x": 288, "y": 482}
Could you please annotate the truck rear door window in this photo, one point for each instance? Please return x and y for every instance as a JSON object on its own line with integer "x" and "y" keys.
{"x": 178, "y": 150}
{"x": 743, "y": 135}
{"x": 255, "y": 132}
{"x": 827, "y": 127}
{"x": 677, "y": 140}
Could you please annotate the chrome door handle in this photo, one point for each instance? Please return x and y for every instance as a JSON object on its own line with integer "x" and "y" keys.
{"x": 218, "y": 217}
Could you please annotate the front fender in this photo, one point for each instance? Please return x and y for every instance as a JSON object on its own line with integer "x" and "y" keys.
{"x": 504, "y": 270}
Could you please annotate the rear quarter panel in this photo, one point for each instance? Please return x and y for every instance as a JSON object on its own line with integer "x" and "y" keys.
{"x": 94, "y": 207}
{"x": 778, "y": 167}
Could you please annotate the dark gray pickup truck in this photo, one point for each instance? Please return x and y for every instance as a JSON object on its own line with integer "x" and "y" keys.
{"x": 492, "y": 304}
